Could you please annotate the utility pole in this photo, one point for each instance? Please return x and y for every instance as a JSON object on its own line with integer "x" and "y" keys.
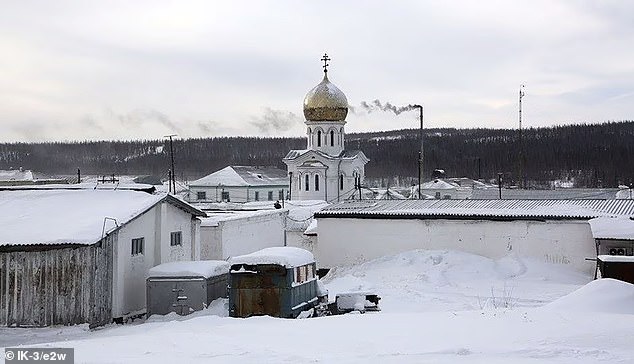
{"x": 521, "y": 152}
{"x": 172, "y": 181}
{"x": 500, "y": 184}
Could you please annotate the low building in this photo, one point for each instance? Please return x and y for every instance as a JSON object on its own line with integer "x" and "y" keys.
{"x": 226, "y": 234}
{"x": 71, "y": 257}
{"x": 555, "y": 231}
{"x": 240, "y": 184}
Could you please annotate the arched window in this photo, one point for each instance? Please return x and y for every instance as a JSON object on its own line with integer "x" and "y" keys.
{"x": 332, "y": 138}
{"x": 319, "y": 138}
{"x": 316, "y": 182}
{"x": 307, "y": 182}
{"x": 341, "y": 181}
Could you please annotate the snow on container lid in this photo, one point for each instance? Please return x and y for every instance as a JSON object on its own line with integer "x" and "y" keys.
{"x": 198, "y": 268}
{"x": 287, "y": 256}
{"x": 616, "y": 258}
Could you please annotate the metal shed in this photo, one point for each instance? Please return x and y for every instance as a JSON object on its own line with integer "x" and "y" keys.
{"x": 185, "y": 287}
{"x": 279, "y": 282}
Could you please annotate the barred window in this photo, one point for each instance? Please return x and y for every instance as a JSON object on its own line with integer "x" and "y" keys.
{"x": 137, "y": 246}
{"x": 176, "y": 238}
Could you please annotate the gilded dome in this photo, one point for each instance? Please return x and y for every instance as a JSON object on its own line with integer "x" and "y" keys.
{"x": 325, "y": 102}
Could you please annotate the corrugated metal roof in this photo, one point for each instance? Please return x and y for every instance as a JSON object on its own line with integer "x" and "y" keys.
{"x": 542, "y": 209}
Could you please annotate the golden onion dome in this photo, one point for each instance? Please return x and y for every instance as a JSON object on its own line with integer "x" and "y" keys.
{"x": 325, "y": 102}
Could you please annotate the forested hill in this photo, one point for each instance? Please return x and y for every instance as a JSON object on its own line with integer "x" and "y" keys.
{"x": 594, "y": 155}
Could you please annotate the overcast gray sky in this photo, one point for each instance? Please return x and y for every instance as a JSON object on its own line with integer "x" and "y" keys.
{"x": 75, "y": 70}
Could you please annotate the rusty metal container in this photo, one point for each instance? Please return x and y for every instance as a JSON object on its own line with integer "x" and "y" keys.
{"x": 269, "y": 284}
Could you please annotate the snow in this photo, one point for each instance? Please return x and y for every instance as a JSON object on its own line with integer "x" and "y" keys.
{"x": 16, "y": 175}
{"x": 226, "y": 176}
{"x": 201, "y": 268}
{"x": 437, "y": 307}
{"x": 603, "y": 295}
{"x": 67, "y": 217}
{"x": 287, "y": 256}
{"x": 438, "y": 184}
{"x": 612, "y": 228}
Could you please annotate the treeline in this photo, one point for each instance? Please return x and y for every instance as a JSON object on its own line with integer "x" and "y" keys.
{"x": 597, "y": 155}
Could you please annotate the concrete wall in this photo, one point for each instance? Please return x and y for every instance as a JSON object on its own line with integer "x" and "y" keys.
{"x": 131, "y": 271}
{"x": 344, "y": 241}
{"x": 242, "y": 234}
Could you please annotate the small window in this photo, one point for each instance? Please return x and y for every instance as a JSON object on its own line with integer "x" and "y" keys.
{"x": 257, "y": 195}
{"x": 201, "y": 195}
{"x": 225, "y": 196}
{"x": 319, "y": 138}
{"x": 310, "y": 274}
{"x": 316, "y": 182}
{"x": 307, "y": 182}
{"x": 137, "y": 246}
{"x": 332, "y": 138}
{"x": 176, "y": 238}
{"x": 280, "y": 195}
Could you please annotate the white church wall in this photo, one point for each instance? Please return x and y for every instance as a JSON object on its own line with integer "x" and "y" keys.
{"x": 242, "y": 235}
{"x": 343, "y": 241}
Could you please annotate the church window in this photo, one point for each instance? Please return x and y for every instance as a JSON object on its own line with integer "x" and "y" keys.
{"x": 341, "y": 182}
{"x": 307, "y": 182}
{"x": 332, "y": 138}
{"x": 316, "y": 182}
{"x": 319, "y": 138}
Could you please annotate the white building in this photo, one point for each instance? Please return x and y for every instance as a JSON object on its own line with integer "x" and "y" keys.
{"x": 240, "y": 184}
{"x": 555, "y": 231}
{"x": 70, "y": 257}
{"x": 232, "y": 233}
{"x": 325, "y": 170}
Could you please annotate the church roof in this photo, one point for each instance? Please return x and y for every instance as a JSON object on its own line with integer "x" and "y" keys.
{"x": 345, "y": 154}
{"x": 244, "y": 176}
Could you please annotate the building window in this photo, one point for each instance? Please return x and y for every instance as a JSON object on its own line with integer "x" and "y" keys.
{"x": 280, "y": 195}
{"x": 257, "y": 195}
{"x": 137, "y": 246}
{"x": 225, "y": 196}
{"x": 201, "y": 195}
{"x": 270, "y": 195}
{"x": 332, "y": 138}
{"x": 319, "y": 138}
{"x": 176, "y": 238}
{"x": 316, "y": 182}
{"x": 341, "y": 182}
{"x": 307, "y": 182}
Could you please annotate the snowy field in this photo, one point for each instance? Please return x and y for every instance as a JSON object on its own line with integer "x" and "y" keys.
{"x": 437, "y": 307}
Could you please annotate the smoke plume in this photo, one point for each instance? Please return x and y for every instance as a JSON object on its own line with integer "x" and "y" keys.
{"x": 273, "y": 121}
{"x": 377, "y": 105}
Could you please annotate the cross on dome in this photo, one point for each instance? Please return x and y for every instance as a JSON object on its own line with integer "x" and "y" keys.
{"x": 325, "y": 58}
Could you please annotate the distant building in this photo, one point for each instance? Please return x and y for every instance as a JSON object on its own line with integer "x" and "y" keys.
{"x": 554, "y": 231}
{"x": 240, "y": 184}
{"x": 25, "y": 177}
{"x": 72, "y": 257}
{"x": 325, "y": 170}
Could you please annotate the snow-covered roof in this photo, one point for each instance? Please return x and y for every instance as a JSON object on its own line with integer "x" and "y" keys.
{"x": 439, "y": 184}
{"x": 244, "y": 176}
{"x": 345, "y": 154}
{"x": 215, "y": 217}
{"x": 16, "y": 175}
{"x": 84, "y": 186}
{"x": 312, "y": 228}
{"x": 612, "y": 228}
{"x": 287, "y": 256}
{"x": 515, "y": 209}
{"x": 72, "y": 217}
{"x": 616, "y": 258}
{"x": 199, "y": 268}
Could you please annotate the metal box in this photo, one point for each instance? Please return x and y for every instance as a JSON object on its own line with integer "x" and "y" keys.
{"x": 184, "y": 290}
{"x": 617, "y": 267}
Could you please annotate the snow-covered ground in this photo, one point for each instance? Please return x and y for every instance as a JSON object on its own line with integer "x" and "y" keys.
{"x": 437, "y": 307}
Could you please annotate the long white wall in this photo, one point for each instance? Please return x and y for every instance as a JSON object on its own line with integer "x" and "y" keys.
{"x": 344, "y": 241}
{"x": 242, "y": 235}
{"x": 130, "y": 271}
{"x": 236, "y": 194}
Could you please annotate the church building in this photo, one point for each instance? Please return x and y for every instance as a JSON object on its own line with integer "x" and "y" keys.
{"x": 325, "y": 170}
